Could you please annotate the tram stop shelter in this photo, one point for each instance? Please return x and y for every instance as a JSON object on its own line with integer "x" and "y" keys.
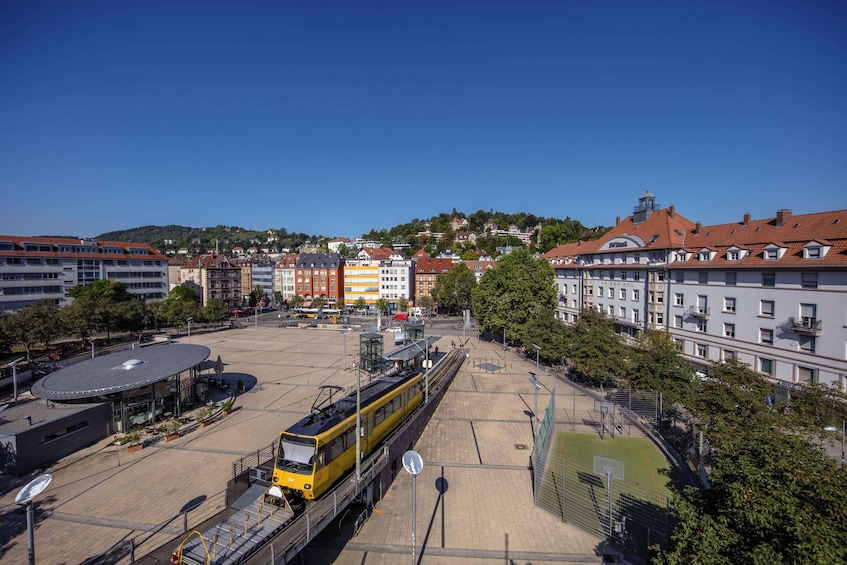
{"x": 86, "y": 402}
{"x": 412, "y": 352}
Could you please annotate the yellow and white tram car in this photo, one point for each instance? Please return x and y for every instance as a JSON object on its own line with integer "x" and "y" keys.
{"x": 321, "y": 448}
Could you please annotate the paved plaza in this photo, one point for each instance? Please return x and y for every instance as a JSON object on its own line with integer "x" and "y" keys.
{"x": 474, "y": 496}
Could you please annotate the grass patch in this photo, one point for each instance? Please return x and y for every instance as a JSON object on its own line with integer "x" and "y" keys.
{"x": 643, "y": 462}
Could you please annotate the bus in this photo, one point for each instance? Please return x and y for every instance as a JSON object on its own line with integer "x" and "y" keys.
{"x": 317, "y": 313}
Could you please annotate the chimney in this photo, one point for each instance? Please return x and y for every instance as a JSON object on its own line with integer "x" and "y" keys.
{"x": 696, "y": 229}
{"x": 746, "y": 220}
{"x": 782, "y": 216}
{"x": 671, "y": 210}
{"x": 617, "y": 220}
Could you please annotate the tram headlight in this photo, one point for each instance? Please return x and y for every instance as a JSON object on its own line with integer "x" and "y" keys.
{"x": 276, "y": 479}
{"x": 307, "y": 486}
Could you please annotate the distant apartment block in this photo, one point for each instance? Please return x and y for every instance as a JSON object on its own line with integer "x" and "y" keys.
{"x": 285, "y": 279}
{"x": 771, "y": 293}
{"x": 427, "y": 270}
{"x": 217, "y": 277}
{"x": 48, "y": 268}
{"x": 320, "y": 275}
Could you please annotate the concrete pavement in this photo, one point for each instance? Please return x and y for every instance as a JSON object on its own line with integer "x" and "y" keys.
{"x": 474, "y": 502}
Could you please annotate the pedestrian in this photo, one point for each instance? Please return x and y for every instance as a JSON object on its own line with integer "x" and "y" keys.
{"x": 436, "y": 350}
{"x": 452, "y": 344}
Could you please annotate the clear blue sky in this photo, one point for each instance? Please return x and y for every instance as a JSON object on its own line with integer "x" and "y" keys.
{"x": 334, "y": 118}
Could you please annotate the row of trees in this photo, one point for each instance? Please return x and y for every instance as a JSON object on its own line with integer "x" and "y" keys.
{"x": 775, "y": 496}
{"x": 102, "y": 307}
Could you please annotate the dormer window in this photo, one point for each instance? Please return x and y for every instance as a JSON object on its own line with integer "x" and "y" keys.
{"x": 813, "y": 253}
{"x": 704, "y": 255}
{"x": 771, "y": 254}
{"x": 732, "y": 256}
{"x": 681, "y": 256}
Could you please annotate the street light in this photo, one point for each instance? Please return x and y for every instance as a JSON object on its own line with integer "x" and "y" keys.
{"x": 537, "y": 386}
{"x": 537, "y": 352}
{"x": 24, "y": 497}
{"x": 427, "y": 365}
{"x": 344, "y": 361}
{"x": 189, "y": 329}
{"x": 413, "y": 463}
{"x": 358, "y": 423}
{"x": 14, "y": 366}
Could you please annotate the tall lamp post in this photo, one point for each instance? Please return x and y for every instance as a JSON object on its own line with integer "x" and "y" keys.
{"x": 14, "y": 366}
{"x": 413, "y": 463}
{"x": 537, "y": 386}
{"x": 537, "y": 352}
{"x": 358, "y": 423}
{"x": 189, "y": 329}
{"x": 24, "y": 497}
{"x": 344, "y": 361}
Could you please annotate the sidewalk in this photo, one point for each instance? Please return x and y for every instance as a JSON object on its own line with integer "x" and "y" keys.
{"x": 103, "y": 498}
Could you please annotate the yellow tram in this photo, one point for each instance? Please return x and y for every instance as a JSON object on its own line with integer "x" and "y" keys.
{"x": 321, "y": 448}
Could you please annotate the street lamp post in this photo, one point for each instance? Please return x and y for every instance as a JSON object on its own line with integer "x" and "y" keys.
{"x": 537, "y": 386}
{"x": 344, "y": 361}
{"x": 537, "y": 352}
{"x": 413, "y": 464}
{"x": 14, "y": 366}
{"x": 358, "y": 423}
{"x": 24, "y": 497}
{"x": 189, "y": 330}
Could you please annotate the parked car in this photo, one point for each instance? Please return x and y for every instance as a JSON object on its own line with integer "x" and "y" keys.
{"x": 400, "y": 316}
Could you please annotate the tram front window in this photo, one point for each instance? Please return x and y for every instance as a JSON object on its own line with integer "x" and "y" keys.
{"x": 296, "y": 454}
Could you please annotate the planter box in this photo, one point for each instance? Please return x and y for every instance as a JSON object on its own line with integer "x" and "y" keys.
{"x": 136, "y": 447}
{"x": 206, "y": 423}
{"x": 171, "y": 437}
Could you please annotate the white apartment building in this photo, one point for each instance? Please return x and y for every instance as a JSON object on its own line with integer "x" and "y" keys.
{"x": 39, "y": 268}
{"x": 395, "y": 281}
{"x": 284, "y": 276}
{"x": 771, "y": 293}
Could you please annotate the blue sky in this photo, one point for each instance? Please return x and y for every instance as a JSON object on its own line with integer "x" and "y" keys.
{"x": 334, "y": 118}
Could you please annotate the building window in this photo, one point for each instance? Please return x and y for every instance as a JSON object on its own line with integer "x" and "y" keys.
{"x": 600, "y": 291}
{"x": 729, "y": 330}
{"x": 678, "y": 299}
{"x": 729, "y": 354}
{"x": 809, "y": 280}
{"x": 702, "y": 325}
{"x": 635, "y": 295}
{"x": 680, "y": 343}
{"x": 768, "y": 279}
{"x": 771, "y": 254}
{"x": 807, "y": 343}
{"x": 729, "y": 304}
{"x": 703, "y": 277}
{"x": 660, "y": 297}
{"x": 636, "y": 276}
{"x": 766, "y": 336}
{"x": 677, "y": 321}
{"x": 660, "y": 318}
{"x": 678, "y": 276}
{"x": 766, "y": 308}
{"x": 806, "y": 375}
{"x": 623, "y": 294}
{"x": 813, "y": 253}
{"x": 702, "y": 350}
{"x": 635, "y": 318}
{"x": 732, "y": 256}
{"x": 611, "y": 292}
{"x": 623, "y": 313}
{"x": 611, "y": 310}
{"x": 766, "y": 366}
{"x": 623, "y": 275}
{"x": 731, "y": 278}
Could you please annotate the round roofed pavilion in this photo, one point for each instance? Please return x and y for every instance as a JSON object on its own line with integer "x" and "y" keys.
{"x": 142, "y": 384}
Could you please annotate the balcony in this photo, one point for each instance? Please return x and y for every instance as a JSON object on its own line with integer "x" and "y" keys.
{"x": 699, "y": 312}
{"x": 806, "y": 326}
{"x": 628, "y": 322}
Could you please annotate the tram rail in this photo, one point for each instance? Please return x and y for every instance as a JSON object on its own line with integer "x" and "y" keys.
{"x": 266, "y": 533}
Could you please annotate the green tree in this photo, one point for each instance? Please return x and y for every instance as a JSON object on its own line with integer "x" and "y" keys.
{"x": 297, "y": 301}
{"x": 180, "y": 305}
{"x": 658, "y": 364}
{"x": 318, "y": 302}
{"x": 361, "y": 303}
{"x": 102, "y": 298}
{"x": 453, "y": 290}
{"x": 132, "y": 315}
{"x": 595, "y": 350}
{"x": 426, "y": 302}
{"x": 37, "y": 324}
{"x": 277, "y": 297}
{"x": 518, "y": 290}
{"x": 403, "y": 305}
{"x": 214, "y": 311}
{"x": 382, "y": 305}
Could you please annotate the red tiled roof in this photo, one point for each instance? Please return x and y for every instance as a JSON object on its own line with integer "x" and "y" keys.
{"x": 428, "y": 265}
{"x": 19, "y": 241}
